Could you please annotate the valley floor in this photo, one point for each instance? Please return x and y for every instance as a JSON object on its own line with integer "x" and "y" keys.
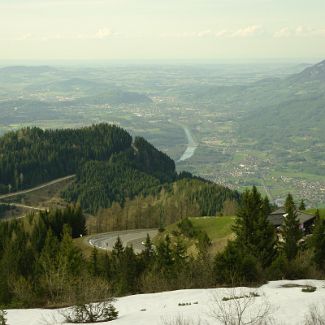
{"x": 288, "y": 305}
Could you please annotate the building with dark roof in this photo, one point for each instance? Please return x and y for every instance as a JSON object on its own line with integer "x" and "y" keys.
{"x": 306, "y": 221}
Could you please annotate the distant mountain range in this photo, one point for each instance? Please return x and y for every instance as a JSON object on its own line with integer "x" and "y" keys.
{"x": 288, "y": 117}
{"x": 311, "y": 74}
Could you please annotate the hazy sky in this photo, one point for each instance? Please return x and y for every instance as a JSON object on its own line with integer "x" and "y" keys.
{"x": 161, "y": 29}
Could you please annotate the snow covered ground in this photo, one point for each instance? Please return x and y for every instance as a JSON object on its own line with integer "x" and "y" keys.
{"x": 288, "y": 305}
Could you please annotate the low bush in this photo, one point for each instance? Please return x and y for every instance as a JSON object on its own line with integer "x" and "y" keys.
{"x": 309, "y": 289}
{"x": 91, "y": 313}
{"x": 3, "y": 319}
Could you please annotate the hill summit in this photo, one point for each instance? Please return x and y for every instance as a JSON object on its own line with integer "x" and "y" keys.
{"x": 313, "y": 73}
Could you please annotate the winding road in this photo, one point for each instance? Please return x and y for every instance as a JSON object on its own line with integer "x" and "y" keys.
{"x": 39, "y": 187}
{"x": 128, "y": 237}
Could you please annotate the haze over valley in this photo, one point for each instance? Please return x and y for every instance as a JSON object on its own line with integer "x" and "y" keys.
{"x": 235, "y": 124}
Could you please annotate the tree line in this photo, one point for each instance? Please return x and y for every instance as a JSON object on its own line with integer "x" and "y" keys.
{"x": 164, "y": 205}
{"x": 41, "y": 265}
{"x": 31, "y": 156}
{"x": 260, "y": 253}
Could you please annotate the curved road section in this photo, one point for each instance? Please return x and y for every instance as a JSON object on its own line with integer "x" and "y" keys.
{"x": 129, "y": 237}
{"x": 6, "y": 196}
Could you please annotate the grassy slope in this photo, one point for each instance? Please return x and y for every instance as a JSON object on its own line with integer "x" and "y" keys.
{"x": 321, "y": 211}
{"x": 217, "y": 228}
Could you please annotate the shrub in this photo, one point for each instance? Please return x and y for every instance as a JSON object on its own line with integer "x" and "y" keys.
{"x": 187, "y": 228}
{"x": 235, "y": 266}
{"x": 3, "y": 319}
{"x": 91, "y": 313}
{"x": 101, "y": 309}
{"x": 308, "y": 289}
{"x": 315, "y": 316}
{"x": 240, "y": 308}
{"x": 278, "y": 269}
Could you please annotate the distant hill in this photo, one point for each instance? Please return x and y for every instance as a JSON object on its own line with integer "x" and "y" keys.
{"x": 27, "y": 70}
{"x": 110, "y": 167}
{"x": 288, "y": 113}
{"x": 310, "y": 74}
{"x": 68, "y": 85}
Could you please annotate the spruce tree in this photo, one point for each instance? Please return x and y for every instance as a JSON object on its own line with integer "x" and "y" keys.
{"x": 302, "y": 206}
{"x": 291, "y": 231}
{"x": 148, "y": 252}
{"x": 318, "y": 243}
{"x": 118, "y": 248}
{"x": 70, "y": 257}
{"x": 264, "y": 245}
{"x": 248, "y": 213}
{"x": 253, "y": 231}
{"x": 164, "y": 260}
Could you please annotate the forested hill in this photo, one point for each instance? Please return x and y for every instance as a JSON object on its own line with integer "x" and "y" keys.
{"x": 31, "y": 156}
{"x": 109, "y": 166}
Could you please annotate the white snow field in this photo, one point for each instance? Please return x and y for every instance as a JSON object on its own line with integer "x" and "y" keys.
{"x": 288, "y": 305}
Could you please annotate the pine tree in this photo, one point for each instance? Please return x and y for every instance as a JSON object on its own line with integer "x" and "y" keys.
{"x": 70, "y": 257}
{"x": 118, "y": 248}
{"x": 291, "y": 231}
{"x": 248, "y": 214}
{"x": 253, "y": 231}
{"x": 302, "y": 206}
{"x": 148, "y": 252}
{"x": 265, "y": 238}
{"x": 164, "y": 260}
{"x": 318, "y": 243}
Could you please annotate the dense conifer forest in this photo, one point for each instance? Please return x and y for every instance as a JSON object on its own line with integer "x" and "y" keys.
{"x": 31, "y": 156}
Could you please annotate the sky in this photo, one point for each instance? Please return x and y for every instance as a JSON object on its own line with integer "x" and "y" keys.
{"x": 162, "y": 29}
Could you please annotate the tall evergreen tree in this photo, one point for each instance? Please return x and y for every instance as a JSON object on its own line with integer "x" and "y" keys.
{"x": 318, "y": 243}
{"x": 148, "y": 253}
{"x": 264, "y": 238}
{"x": 164, "y": 260}
{"x": 291, "y": 231}
{"x": 248, "y": 213}
{"x": 118, "y": 248}
{"x": 302, "y": 206}
{"x": 253, "y": 230}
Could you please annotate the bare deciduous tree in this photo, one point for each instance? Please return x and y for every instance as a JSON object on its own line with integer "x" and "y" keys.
{"x": 241, "y": 308}
{"x": 315, "y": 316}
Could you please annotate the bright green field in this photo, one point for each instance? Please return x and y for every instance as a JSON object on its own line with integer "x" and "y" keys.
{"x": 218, "y": 229}
{"x": 321, "y": 211}
{"x": 215, "y": 227}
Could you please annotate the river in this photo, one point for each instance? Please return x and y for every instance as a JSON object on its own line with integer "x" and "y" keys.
{"x": 191, "y": 146}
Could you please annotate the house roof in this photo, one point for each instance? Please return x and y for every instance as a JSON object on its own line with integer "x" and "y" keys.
{"x": 276, "y": 218}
